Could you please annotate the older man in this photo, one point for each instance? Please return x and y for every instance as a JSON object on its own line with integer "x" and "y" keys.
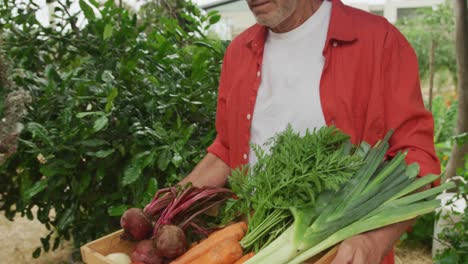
{"x": 313, "y": 63}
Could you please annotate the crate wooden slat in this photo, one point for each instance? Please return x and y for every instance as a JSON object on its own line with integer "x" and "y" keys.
{"x": 94, "y": 252}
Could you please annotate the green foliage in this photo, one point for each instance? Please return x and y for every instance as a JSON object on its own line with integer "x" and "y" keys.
{"x": 421, "y": 232}
{"x": 120, "y": 107}
{"x": 456, "y": 236}
{"x": 428, "y": 25}
{"x": 293, "y": 174}
{"x": 4, "y": 82}
{"x": 445, "y": 120}
{"x": 298, "y": 164}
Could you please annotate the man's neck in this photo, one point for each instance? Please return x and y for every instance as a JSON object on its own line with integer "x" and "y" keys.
{"x": 304, "y": 10}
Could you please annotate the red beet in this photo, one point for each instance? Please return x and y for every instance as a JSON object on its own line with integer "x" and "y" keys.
{"x": 170, "y": 241}
{"x": 145, "y": 252}
{"x": 136, "y": 225}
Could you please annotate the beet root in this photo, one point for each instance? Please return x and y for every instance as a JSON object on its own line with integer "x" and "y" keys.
{"x": 145, "y": 252}
{"x": 136, "y": 225}
{"x": 170, "y": 241}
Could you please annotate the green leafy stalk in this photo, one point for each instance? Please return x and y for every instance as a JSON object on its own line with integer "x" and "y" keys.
{"x": 377, "y": 195}
{"x": 295, "y": 172}
{"x": 384, "y": 218}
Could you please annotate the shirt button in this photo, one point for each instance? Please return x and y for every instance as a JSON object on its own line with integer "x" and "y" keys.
{"x": 258, "y": 73}
{"x": 249, "y": 116}
{"x": 335, "y": 44}
{"x": 245, "y": 156}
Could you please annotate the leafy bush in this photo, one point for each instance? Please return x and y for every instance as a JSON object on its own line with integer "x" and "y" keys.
{"x": 445, "y": 118}
{"x": 120, "y": 107}
{"x": 429, "y": 25}
{"x": 456, "y": 236}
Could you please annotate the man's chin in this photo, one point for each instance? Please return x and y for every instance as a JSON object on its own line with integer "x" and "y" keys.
{"x": 265, "y": 21}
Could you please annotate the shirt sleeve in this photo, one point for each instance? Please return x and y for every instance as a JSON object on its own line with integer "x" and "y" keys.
{"x": 220, "y": 146}
{"x": 404, "y": 109}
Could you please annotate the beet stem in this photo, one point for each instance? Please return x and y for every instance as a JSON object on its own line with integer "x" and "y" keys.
{"x": 199, "y": 229}
{"x": 200, "y": 196}
{"x": 188, "y": 220}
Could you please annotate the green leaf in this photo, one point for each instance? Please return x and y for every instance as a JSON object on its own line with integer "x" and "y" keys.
{"x": 37, "y": 130}
{"x": 214, "y": 19}
{"x": 53, "y": 168}
{"x": 83, "y": 184}
{"x": 110, "y": 99}
{"x": 56, "y": 243}
{"x": 100, "y": 123}
{"x": 134, "y": 169}
{"x": 152, "y": 187}
{"x": 101, "y": 153}
{"x": 37, "y": 188}
{"x": 45, "y": 243}
{"x": 36, "y": 253}
{"x": 65, "y": 219}
{"x": 212, "y": 13}
{"x": 107, "y": 76}
{"x": 150, "y": 191}
{"x": 108, "y": 30}
{"x": 84, "y": 114}
{"x": 100, "y": 173}
{"x": 29, "y": 144}
{"x": 164, "y": 159}
{"x": 87, "y": 10}
{"x": 461, "y": 139}
{"x": 117, "y": 210}
{"x": 177, "y": 160}
{"x": 29, "y": 214}
{"x": 94, "y": 3}
{"x": 94, "y": 142}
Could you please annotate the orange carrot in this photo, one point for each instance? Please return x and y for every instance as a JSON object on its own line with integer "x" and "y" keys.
{"x": 226, "y": 252}
{"x": 194, "y": 244}
{"x": 235, "y": 231}
{"x": 245, "y": 258}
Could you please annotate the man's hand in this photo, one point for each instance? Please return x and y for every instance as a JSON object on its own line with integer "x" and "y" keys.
{"x": 373, "y": 246}
{"x": 360, "y": 249}
{"x": 210, "y": 171}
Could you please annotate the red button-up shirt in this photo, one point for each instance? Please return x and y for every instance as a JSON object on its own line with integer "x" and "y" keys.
{"x": 369, "y": 85}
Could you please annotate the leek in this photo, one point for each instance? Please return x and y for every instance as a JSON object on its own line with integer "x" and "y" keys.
{"x": 379, "y": 194}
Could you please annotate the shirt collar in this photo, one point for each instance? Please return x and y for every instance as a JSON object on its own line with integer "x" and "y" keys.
{"x": 340, "y": 28}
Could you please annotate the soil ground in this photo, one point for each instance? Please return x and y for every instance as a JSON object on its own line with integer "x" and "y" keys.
{"x": 21, "y": 237}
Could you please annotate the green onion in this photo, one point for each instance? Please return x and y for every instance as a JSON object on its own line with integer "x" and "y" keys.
{"x": 379, "y": 193}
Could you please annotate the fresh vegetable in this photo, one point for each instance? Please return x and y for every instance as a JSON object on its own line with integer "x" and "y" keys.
{"x": 294, "y": 173}
{"x": 136, "y": 225}
{"x": 118, "y": 258}
{"x": 226, "y": 252}
{"x": 173, "y": 210}
{"x": 245, "y": 258}
{"x": 378, "y": 194}
{"x": 145, "y": 252}
{"x": 181, "y": 205}
{"x": 170, "y": 241}
{"x": 232, "y": 232}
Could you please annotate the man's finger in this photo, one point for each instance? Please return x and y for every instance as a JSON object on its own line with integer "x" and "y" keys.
{"x": 360, "y": 257}
{"x": 344, "y": 255}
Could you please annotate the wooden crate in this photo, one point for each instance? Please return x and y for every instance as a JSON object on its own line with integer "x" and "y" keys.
{"x": 94, "y": 252}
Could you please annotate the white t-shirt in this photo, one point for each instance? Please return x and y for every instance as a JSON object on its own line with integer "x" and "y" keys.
{"x": 289, "y": 90}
